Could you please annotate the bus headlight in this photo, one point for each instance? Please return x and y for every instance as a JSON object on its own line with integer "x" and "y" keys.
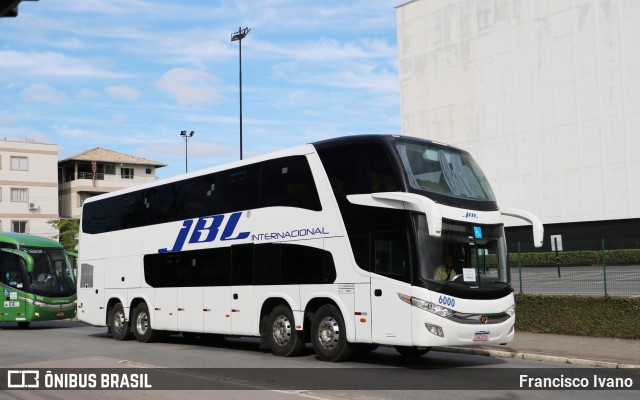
{"x": 511, "y": 310}
{"x": 427, "y": 306}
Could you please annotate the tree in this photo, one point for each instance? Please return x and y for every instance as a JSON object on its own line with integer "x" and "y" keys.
{"x": 68, "y": 229}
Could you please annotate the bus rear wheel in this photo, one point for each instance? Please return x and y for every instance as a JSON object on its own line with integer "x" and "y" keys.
{"x": 118, "y": 323}
{"x": 142, "y": 324}
{"x": 284, "y": 339}
{"x": 329, "y": 335}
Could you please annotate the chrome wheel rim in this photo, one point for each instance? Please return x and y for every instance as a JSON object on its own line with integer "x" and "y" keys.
{"x": 142, "y": 322}
{"x": 282, "y": 330}
{"x": 118, "y": 321}
{"x": 329, "y": 333}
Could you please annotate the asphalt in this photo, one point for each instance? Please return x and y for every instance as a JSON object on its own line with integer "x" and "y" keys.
{"x": 563, "y": 349}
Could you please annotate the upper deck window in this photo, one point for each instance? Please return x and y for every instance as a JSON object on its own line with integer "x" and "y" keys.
{"x": 443, "y": 170}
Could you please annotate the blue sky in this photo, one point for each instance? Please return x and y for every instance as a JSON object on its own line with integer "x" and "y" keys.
{"x": 129, "y": 75}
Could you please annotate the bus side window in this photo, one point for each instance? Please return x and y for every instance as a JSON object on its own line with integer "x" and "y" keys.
{"x": 267, "y": 264}
{"x": 361, "y": 250}
{"x": 392, "y": 255}
{"x": 239, "y": 189}
{"x": 212, "y": 267}
{"x": 11, "y": 272}
{"x": 242, "y": 264}
{"x": 288, "y": 182}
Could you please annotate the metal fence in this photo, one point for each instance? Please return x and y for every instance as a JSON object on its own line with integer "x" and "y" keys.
{"x": 605, "y": 271}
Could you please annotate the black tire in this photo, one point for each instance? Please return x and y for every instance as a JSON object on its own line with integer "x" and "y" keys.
{"x": 141, "y": 324}
{"x": 23, "y": 324}
{"x": 284, "y": 339}
{"x": 412, "y": 352}
{"x": 329, "y": 335}
{"x": 118, "y": 323}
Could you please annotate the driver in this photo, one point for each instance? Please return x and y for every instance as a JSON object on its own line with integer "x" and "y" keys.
{"x": 445, "y": 272}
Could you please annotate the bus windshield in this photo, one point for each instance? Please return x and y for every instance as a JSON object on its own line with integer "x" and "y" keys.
{"x": 443, "y": 170}
{"x": 465, "y": 257}
{"x": 52, "y": 274}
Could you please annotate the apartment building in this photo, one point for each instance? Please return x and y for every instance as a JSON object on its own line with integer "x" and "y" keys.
{"x": 99, "y": 171}
{"x": 28, "y": 187}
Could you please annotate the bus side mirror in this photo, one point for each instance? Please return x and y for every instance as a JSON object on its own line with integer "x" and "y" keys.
{"x": 538, "y": 228}
{"x": 26, "y": 257}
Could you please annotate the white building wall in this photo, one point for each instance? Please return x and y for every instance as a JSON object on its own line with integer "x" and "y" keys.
{"x": 40, "y": 179}
{"x": 545, "y": 94}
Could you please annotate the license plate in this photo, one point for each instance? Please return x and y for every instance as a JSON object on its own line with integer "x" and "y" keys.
{"x": 60, "y": 314}
{"x": 482, "y": 336}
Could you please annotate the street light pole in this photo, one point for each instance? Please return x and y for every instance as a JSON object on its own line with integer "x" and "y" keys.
{"x": 238, "y": 36}
{"x": 186, "y": 151}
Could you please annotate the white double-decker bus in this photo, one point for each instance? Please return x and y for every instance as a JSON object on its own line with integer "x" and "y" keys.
{"x": 348, "y": 243}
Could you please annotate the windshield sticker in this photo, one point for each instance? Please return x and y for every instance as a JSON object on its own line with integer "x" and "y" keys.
{"x": 469, "y": 274}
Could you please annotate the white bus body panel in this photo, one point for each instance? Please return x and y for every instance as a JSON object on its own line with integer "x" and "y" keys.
{"x": 165, "y": 309}
{"x": 91, "y": 302}
{"x": 217, "y": 309}
{"x": 391, "y": 321}
{"x": 190, "y": 306}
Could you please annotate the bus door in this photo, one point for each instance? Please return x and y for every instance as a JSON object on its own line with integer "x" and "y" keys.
{"x": 390, "y": 277}
{"x": 13, "y": 308}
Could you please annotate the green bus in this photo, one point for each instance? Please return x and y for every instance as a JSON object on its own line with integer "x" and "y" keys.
{"x": 37, "y": 280}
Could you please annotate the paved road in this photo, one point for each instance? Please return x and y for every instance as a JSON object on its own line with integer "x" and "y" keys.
{"x": 75, "y": 345}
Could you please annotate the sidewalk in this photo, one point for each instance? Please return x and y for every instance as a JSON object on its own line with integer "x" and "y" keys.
{"x": 564, "y": 349}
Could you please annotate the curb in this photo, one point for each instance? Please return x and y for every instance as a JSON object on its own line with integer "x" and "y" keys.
{"x": 534, "y": 357}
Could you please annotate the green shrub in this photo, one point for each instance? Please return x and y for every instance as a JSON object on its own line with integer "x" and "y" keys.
{"x": 615, "y": 317}
{"x": 584, "y": 257}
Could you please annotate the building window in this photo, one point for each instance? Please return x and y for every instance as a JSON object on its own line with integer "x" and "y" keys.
{"x": 19, "y": 226}
{"x": 149, "y": 171}
{"x": 126, "y": 173}
{"x": 109, "y": 169}
{"x": 19, "y": 163}
{"x": 20, "y": 195}
{"x": 83, "y": 196}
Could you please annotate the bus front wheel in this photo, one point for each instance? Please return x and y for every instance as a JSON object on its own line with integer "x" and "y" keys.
{"x": 142, "y": 324}
{"x": 329, "y": 335}
{"x": 118, "y": 323}
{"x": 284, "y": 339}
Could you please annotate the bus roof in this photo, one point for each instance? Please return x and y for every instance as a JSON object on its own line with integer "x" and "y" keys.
{"x": 23, "y": 239}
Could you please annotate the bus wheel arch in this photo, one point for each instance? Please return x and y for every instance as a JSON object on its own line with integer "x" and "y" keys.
{"x": 117, "y": 320}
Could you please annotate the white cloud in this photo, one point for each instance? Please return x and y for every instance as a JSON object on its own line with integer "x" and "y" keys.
{"x": 87, "y": 94}
{"x": 189, "y": 87}
{"x": 43, "y": 93}
{"x": 122, "y": 92}
{"x": 54, "y": 65}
